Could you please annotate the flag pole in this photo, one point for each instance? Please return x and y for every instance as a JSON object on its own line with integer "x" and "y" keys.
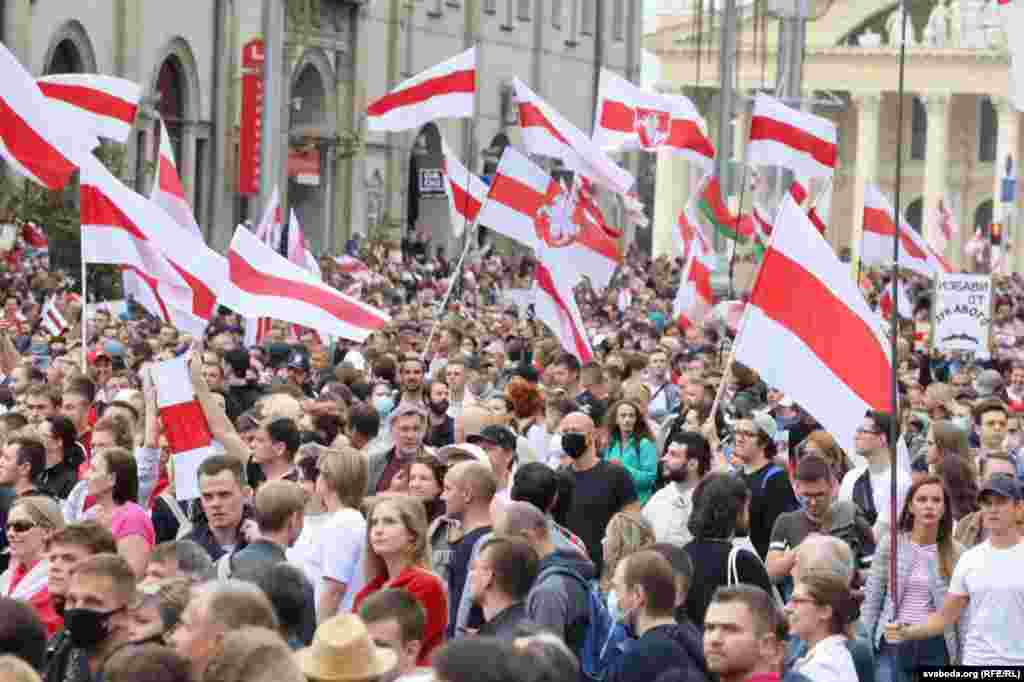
{"x": 893, "y": 322}
{"x": 85, "y": 307}
{"x": 739, "y": 209}
{"x": 451, "y": 288}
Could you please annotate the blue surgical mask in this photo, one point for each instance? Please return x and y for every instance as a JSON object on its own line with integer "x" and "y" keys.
{"x": 384, "y": 404}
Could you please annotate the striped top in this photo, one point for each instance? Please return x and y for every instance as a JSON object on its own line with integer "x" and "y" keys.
{"x": 916, "y": 599}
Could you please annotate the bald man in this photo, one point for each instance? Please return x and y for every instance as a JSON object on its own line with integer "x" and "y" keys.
{"x": 602, "y": 488}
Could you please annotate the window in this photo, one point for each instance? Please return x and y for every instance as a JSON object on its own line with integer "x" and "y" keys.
{"x": 491, "y": 6}
{"x": 556, "y": 13}
{"x": 918, "y": 130}
{"x": 524, "y": 10}
{"x": 988, "y": 136}
{"x": 618, "y": 20}
{"x": 587, "y": 18}
{"x": 436, "y": 9}
{"x": 511, "y": 9}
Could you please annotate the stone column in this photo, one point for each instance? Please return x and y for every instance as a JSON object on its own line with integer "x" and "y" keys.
{"x": 17, "y": 18}
{"x": 671, "y": 192}
{"x": 937, "y": 106}
{"x": 740, "y": 135}
{"x": 128, "y": 23}
{"x": 868, "y": 105}
{"x": 1008, "y": 136}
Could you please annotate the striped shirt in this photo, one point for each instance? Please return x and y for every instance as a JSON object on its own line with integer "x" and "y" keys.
{"x": 916, "y": 598}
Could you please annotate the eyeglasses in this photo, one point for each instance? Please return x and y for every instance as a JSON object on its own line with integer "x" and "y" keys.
{"x": 20, "y": 526}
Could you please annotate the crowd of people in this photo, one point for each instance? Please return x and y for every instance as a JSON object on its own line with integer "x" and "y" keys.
{"x": 484, "y": 507}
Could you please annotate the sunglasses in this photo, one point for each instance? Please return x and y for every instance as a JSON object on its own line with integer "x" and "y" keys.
{"x": 20, "y": 526}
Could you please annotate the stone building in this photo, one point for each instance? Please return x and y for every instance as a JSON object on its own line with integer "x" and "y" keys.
{"x": 338, "y": 56}
{"x": 959, "y": 125}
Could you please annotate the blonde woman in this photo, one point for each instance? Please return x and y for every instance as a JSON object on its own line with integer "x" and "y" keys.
{"x": 30, "y": 523}
{"x": 627, "y": 532}
{"x": 397, "y": 557}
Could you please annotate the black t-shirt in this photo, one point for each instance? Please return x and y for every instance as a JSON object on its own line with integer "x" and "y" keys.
{"x": 599, "y": 494}
{"x": 458, "y": 571}
{"x": 770, "y": 495}
{"x": 711, "y": 570}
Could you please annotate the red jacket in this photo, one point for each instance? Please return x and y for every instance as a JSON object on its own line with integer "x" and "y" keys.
{"x": 429, "y": 592}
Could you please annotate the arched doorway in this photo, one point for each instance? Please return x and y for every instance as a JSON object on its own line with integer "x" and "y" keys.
{"x": 307, "y": 130}
{"x": 915, "y": 214}
{"x": 983, "y": 216}
{"x": 428, "y": 219}
{"x": 170, "y": 89}
{"x": 66, "y": 58}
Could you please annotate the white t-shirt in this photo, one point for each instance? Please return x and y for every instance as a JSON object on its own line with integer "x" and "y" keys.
{"x": 668, "y": 512}
{"x": 340, "y": 552}
{"x": 993, "y": 582}
{"x": 304, "y": 552}
{"x": 828, "y": 661}
{"x": 879, "y": 488}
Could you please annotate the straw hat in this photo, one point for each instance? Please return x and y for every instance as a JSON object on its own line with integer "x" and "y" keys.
{"x": 342, "y": 650}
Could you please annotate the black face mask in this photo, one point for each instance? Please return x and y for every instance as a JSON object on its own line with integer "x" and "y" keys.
{"x": 574, "y": 445}
{"x": 87, "y": 628}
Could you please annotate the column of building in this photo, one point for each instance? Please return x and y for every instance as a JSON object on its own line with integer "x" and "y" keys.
{"x": 868, "y": 105}
{"x": 671, "y": 192}
{"x": 935, "y": 170}
{"x": 1008, "y": 136}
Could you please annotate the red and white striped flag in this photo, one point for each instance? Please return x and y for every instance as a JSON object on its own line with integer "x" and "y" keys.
{"x": 588, "y": 211}
{"x": 353, "y": 267}
{"x": 876, "y": 244}
{"x": 466, "y": 192}
{"x": 822, "y": 348}
{"x": 35, "y": 237}
{"x": 261, "y": 280}
{"x": 37, "y": 141}
{"x": 633, "y": 208}
{"x": 547, "y": 133}
{"x": 906, "y": 305}
{"x": 104, "y": 106}
{"x": 629, "y": 117}
{"x": 527, "y": 205}
{"x": 555, "y": 305}
{"x": 184, "y": 424}
{"x": 270, "y": 229}
{"x": 945, "y": 226}
{"x": 798, "y": 191}
{"x": 695, "y": 296}
{"x": 167, "y": 192}
{"x": 793, "y": 139}
{"x": 297, "y": 252}
{"x": 446, "y": 90}
{"x": 51, "y": 319}
{"x": 689, "y": 234}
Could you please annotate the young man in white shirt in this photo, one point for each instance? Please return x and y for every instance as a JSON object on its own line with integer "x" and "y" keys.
{"x": 686, "y": 460}
{"x": 987, "y": 584}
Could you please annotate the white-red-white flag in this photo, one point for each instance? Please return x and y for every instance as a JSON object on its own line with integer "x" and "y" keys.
{"x": 633, "y": 209}
{"x": 35, "y": 237}
{"x": 695, "y": 296}
{"x": 466, "y": 192}
{"x": 270, "y": 229}
{"x": 547, "y": 133}
{"x": 879, "y": 227}
{"x": 447, "y": 90}
{"x": 51, "y": 319}
{"x": 689, "y": 234}
{"x": 297, "y": 252}
{"x": 798, "y": 190}
{"x": 906, "y": 304}
{"x": 528, "y": 205}
{"x": 121, "y": 227}
{"x": 146, "y": 291}
{"x": 261, "y": 281}
{"x": 353, "y": 267}
{"x": 184, "y": 424}
{"x": 36, "y": 140}
{"x": 793, "y": 139}
{"x": 629, "y": 117}
{"x": 946, "y": 226}
{"x": 168, "y": 192}
{"x": 554, "y": 304}
{"x": 823, "y": 348}
{"x": 104, "y": 106}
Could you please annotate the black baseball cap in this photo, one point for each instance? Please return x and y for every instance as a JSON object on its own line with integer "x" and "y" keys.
{"x": 1003, "y": 485}
{"x": 499, "y": 435}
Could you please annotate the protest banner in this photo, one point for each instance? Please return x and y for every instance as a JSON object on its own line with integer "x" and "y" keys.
{"x": 962, "y": 313}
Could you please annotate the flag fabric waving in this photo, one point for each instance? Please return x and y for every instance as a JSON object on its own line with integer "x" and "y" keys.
{"x": 37, "y": 141}
{"x": 104, "y": 106}
{"x": 879, "y": 227}
{"x": 447, "y": 90}
{"x": 297, "y": 252}
{"x": 793, "y": 139}
{"x": 270, "y": 229}
{"x": 554, "y": 304}
{"x": 906, "y": 304}
{"x": 167, "y": 192}
{"x": 466, "y": 192}
{"x": 629, "y": 117}
{"x": 547, "y": 133}
{"x": 354, "y": 268}
{"x": 261, "y": 280}
{"x": 712, "y": 208}
{"x": 184, "y": 424}
{"x": 695, "y": 297}
{"x": 945, "y": 226}
{"x": 825, "y": 341}
{"x": 526, "y": 204}
{"x": 798, "y": 190}
{"x": 35, "y": 237}
{"x": 51, "y": 320}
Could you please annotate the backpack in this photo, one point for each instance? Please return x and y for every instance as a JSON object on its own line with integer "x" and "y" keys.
{"x": 599, "y": 626}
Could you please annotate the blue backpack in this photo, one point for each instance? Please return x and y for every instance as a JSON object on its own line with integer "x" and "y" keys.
{"x": 598, "y": 628}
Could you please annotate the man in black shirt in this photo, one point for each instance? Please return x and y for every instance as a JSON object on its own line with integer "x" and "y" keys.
{"x": 602, "y": 489}
{"x": 770, "y": 491}
{"x": 499, "y": 581}
{"x": 469, "y": 488}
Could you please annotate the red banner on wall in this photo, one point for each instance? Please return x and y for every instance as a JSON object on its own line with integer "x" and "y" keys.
{"x": 251, "y": 133}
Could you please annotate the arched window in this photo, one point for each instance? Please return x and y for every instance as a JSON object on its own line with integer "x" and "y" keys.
{"x": 618, "y": 20}
{"x": 587, "y": 18}
{"x": 915, "y": 213}
{"x": 66, "y": 59}
{"x": 983, "y": 216}
{"x": 988, "y": 123}
{"x": 556, "y": 13}
{"x": 918, "y": 130}
{"x": 524, "y": 10}
{"x": 170, "y": 88}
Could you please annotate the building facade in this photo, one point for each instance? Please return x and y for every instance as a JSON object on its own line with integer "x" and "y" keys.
{"x": 959, "y": 127}
{"x": 338, "y": 56}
